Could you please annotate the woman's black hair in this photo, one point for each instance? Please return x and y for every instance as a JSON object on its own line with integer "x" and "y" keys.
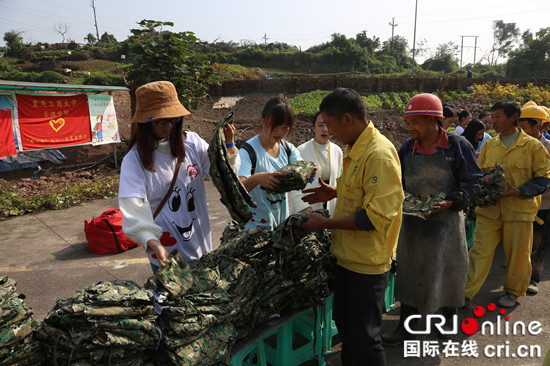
{"x": 278, "y": 112}
{"x": 145, "y": 142}
{"x": 448, "y": 111}
{"x": 463, "y": 114}
{"x": 315, "y": 118}
{"x": 471, "y": 130}
{"x": 483, "y": 114}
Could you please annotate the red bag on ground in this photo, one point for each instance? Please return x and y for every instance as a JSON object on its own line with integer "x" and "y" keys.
{"x": 104, "y": 233}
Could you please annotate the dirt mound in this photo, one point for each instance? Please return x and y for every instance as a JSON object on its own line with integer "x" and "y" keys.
{"x": 247, "y": 121}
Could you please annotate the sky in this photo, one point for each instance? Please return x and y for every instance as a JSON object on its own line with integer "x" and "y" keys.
{"x": 302, "y": 23}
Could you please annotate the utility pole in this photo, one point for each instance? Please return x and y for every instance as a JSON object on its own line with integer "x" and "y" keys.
{"x": 414, "y": 37}
{"x": 393, "y": 25}
{"x": 462, "y": 47}
{"x": 95, "y": 20}
{"x": 265, "y": 39}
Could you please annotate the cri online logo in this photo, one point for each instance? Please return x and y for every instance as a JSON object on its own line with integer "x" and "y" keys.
{"x": 470, "y": 325}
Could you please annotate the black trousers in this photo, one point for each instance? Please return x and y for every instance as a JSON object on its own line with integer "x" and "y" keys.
{"x": 358, "y": 307}
{"x": 541, "y": 242}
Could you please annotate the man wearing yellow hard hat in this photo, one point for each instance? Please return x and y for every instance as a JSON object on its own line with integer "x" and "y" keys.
{"x": 526, "y": 166}
{"x": 531, "y": 121}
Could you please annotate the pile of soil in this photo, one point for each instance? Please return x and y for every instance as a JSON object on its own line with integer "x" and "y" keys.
{"x": 84, "y": 163}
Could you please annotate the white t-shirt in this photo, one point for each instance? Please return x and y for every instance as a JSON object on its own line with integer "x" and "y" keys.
{"x": 272, "y": 209}
{"x": 184, "y": 218}
{"x": 459, "y": 130}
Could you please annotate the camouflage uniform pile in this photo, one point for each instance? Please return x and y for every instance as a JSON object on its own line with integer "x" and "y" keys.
{"x": 18, "y": 345}
{"x": 251, "y": 276}
{"x": 297, "y": 176}
{"x": 233, "y": 193}
{"x": 108, "y": 323}
{"x": 194, "y": 312}
{"x": 490, "y": 192}
{"x": 422, "y": 206}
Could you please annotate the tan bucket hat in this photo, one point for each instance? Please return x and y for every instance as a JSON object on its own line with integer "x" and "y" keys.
{"x": 157, "y": 100}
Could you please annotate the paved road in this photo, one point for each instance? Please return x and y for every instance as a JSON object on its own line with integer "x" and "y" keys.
{"x": 46, "y": 253}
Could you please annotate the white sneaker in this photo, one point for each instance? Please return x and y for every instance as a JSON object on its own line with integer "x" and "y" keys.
{"x": 507, "y": 300}
{"x": 533, "y": 288}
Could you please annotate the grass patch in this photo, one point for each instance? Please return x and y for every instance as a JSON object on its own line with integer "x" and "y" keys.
{"x": 14, "y": 204}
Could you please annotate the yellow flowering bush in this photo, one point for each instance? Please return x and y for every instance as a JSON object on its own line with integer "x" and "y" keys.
{"x": 489, "y": 93}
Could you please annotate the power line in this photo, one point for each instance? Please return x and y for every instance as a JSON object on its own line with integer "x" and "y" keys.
{"x": 462, "y": 46}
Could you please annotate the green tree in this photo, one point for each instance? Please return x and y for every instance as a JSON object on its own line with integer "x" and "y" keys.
{"x": 397, "y": 48}
{"x": 158, "y": 54}
{"x": 371, "y": 44}
{"x": 108, "y": 39}
{"x": 532, "y": 58}
{"x": 504, "y": 37}
{"x": 444, "y": 58}
{"x": 14, "y": 43}
{"x": 90, "y": 39}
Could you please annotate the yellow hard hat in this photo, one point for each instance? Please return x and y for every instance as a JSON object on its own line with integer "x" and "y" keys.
{"x": 547, "y": 113}
{"x": 532, "y": 110}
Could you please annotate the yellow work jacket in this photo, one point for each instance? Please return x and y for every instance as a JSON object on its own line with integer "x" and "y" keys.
{"x": 371, "y": 180}
{"x": 524, "y": 160}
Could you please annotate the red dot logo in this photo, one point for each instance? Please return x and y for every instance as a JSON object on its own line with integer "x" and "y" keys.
{"x": 479, "y": 311}
{"x": 469, "y": 326}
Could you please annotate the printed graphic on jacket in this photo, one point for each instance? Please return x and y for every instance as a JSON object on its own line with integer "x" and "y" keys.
{"x": 183, "y": 214}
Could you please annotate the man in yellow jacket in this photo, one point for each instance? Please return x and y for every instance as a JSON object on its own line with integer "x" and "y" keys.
{"x": 526, "y": 166}
{"x": 365, "y": 224}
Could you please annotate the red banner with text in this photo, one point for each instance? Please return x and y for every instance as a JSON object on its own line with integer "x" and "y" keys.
{"x": 7, "y": 142}
{"x": 53, "y": 121}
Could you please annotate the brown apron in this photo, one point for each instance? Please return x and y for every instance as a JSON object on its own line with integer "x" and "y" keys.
{"x": 432, "y": 254}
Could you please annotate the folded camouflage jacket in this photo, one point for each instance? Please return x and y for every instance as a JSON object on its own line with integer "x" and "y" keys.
{"x": 234, "y": 195}
{"x": 297, "y": 175}
{"x": 422, "y": 206}
{"x": 18, "y": 343}
{"x": 490, "y": 192}
{"x": 107, "y": 323}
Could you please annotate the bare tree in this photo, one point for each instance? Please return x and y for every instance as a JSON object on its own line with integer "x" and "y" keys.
{"x": 95, "y": 19}
{"x": 62, "y": 29}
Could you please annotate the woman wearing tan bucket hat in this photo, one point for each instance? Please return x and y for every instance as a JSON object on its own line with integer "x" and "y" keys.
{"x": 162, "y": 158}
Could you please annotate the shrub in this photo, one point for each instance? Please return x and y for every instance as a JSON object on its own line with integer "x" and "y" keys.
{"x": 50, "y": 77}
{"x": 237, "y": 72}
{"x": 489, "y": 93}
{"x": 101, "y": 78}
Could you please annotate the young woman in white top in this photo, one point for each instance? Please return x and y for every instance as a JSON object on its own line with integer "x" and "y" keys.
{"x": 328, "y": 157}
{"x": 464, "y": 117}
{"x": 157, "y": 147}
